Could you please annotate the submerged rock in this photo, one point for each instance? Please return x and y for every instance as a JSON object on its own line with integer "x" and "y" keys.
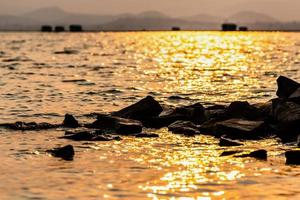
{"x": 147, "y": 135}
{"x": 286, "y": 87}
{"x": 259, "y": 154}
{"x": 30, "y": 126}
{"x": 184, "y": 127}
{"x": 70, "y": 121}
{"x": 242, "y": 129}
{"x": 119, "y": 125}
{"x": 142, "y": 110}
{"x": 194, "y": 113}
{"x": 66, "y": 152}
{"x": 229, "y": 153}
{"x": 292, "y": 157}
{"x": 225, "y": 142}
{"x": 89, "y": 136}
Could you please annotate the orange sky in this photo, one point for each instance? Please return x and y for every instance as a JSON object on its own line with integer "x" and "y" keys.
{"x": 281, "y": 9}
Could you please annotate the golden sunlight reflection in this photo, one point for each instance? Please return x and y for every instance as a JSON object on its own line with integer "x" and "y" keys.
{"x": 113, "y": 70}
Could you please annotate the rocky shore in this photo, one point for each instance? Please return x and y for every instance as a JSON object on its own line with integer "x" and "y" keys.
{"x": 233, "y": 124}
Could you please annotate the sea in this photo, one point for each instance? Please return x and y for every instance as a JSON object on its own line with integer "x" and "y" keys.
{"x": 43, "y": 76}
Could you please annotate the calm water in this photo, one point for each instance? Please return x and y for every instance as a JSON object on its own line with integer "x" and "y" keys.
{"x": 44, "y": 76}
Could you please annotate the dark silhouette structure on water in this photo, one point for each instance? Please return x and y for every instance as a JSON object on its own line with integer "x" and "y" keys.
{"x": 243, "y": 28}
{"x": 176, "y": 28}
{"x": 75, "y": 28}
{"x": 46, "y": 28}
{"x": 229, "y": 27}
{"x": 59, "y": 29}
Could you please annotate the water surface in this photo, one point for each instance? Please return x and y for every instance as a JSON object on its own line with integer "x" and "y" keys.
{"x": 44, "y": 76}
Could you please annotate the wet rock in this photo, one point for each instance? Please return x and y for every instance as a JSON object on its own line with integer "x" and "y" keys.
{"x": 30, "y": 126}
{"x": 67, "y": 51}
{"x": 298, "y": 141}
{"x": 286, "y": 87}
{"x": 259, "y": 154}
{"x": 229, "y": 153}
{"x": 184, "y": 127}
{"x": 208, "y": 127}
{"x": 265, "y": 108}
{"x": 194, "y": 113}
{"x": 142, "y": 110}
{"x": 287, "y": 116}
{"x": 119, "y": 125}
{"x": 225, "y": 142}
{"x": 243, "y": 110}
{"x": 215, "y": 111}
{"x": 242, "y": 129}
{"x": 284, "y": 112}
{"x": 292, "y": 157}
{"x": 70, "y": 121}
{"x": 89, "y": 136}
{"x": 147, "y": 135}
{"x": 66, "y": 152}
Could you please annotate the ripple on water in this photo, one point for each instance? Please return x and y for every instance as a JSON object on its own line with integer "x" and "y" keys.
{"x": 124, "y": 67}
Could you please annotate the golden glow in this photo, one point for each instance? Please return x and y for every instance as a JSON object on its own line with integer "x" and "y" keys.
{"x": 118, "y": 69}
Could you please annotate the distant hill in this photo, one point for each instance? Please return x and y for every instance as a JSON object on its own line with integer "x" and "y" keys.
{"x": 203, "y": 18}
{"x": 150, "y": 14}
{"x": 251, "y": 17}
{"x": 149, "y": 20}
{"x": 15, "y": 20}
{"x": 54, "y": 15}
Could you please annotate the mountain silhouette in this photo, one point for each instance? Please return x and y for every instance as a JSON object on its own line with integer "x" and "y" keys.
{"x": 251, "y": 17}
{"x": 149, "y": 20}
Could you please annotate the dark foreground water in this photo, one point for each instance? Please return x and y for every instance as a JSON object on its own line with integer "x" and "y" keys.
{"x": 44, "y": 76}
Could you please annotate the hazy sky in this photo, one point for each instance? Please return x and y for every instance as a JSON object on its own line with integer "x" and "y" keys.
{"x": 280, "y": 9}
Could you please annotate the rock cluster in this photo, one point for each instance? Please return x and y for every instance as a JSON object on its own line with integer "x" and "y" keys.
{"x": 279, "y": 117}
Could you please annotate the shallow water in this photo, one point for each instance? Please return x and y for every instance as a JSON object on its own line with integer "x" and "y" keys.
{"x": 44, "y": 76}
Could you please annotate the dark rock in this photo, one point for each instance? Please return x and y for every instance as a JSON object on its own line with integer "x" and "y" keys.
{"x": 242, "y": 109}
{"x": 30, "y": 126}
{"x": 184, "y": 127}
{"x": 119, "y": 125}
{"x": 70, "y": 121}
{"x": 89, "y": 136}
{"x": 215, "y": 112}
{"x": 229, "y": 153}
{"x": 298, "y": 141}
{"x": 66, "y": 152}
{"x": 216, "y": 107}
{"x": 142, "y": 110}
{"x": 259, "y": 154}
{"x": 286, "y": 87}
{"x": 225, "y": 142}
{"x": 265, "y": 108}
{"x": 194, "y": 113}
{"x": 287, "y": 115}
{"x": 147, "y": 135}
{"x": 208, "y": 127}
{"x": 292, "y": 157}
{"x": 285, "y": 112}
{"x": 242, "y": 129}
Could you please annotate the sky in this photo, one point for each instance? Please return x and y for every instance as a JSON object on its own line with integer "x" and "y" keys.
{"x": 284, "y": 10}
